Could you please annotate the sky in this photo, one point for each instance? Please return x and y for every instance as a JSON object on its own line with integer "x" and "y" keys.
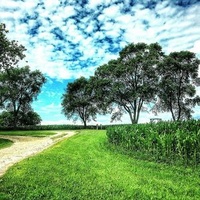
{"x": 67, "y": 39}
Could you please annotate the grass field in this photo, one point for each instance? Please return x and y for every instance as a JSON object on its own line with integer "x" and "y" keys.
{"x": 5, "y": 143}
{"x": 28, "y": 133}
{"x": 87, "y": 167}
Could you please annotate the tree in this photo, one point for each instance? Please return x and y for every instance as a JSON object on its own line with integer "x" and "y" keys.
{"x": 129, "y": 82}
{"x": 24, "y": 119}
{"x": 78, "y": 101}
{"x": 6, "y": 119}
{"x": 10, "y": 51}
{"x": 30, "y": 118}
{"x": 177, "y": 92}
{"x": 19, "y": 88}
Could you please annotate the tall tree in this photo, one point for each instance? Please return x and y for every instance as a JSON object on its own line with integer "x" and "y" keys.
{"x": 20, "y": 87}
{"x": 10, "y": 51}
{"x": 78, "y": 101}
{"x": 130, "y": 82}
{"x": 177, "y": 91}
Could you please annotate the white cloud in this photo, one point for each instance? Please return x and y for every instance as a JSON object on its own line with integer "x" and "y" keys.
{"x": 196, "y": 47}
{"x": 166, "y": 10}
{"x": 92, "y": 4}
{"x": 112, "y": 11}
{"x": 83, "y": 30}
{"x": 56, "y": 122}
{"x": 124, "y": 20}
{"x": 29, "y": 5}
{"x": 67, "y": 12}
{"x": 10, "y": 4}
{"x": 51, "y": 4}
{"x": 52, "y": 107}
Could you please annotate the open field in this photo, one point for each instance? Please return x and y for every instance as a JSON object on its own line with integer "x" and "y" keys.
{"x": 87, "y": 167}
{"x": 28, "y": 133}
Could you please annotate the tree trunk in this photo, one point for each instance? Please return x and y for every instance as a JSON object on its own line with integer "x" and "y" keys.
{"x": 85, "y": 124}
{"x": 15, "y": 120}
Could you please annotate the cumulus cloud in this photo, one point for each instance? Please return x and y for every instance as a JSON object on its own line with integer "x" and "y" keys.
{"x": 63, "y": 37}
{"x": 196, "y": 47}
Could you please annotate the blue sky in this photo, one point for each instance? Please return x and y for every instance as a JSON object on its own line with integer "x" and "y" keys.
{"x": 66, "y": 39}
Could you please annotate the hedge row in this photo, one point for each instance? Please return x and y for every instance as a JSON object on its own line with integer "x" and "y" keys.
{"x": 50, "y": 127}
{"x": 165, "y": 141}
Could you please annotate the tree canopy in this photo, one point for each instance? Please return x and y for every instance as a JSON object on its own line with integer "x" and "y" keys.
{"x": 130, "y": 81}
{"x": 142, "y": 76}
{"x": 177, "y": 92}
{"x": 24, "y": 118}
{"x": 10, "y": 51}
{"x": 78, "y": 101}
{"x": 19, "y": 88}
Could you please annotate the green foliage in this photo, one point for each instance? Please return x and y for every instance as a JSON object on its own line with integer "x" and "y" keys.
{"x": 86, "y": 167}
{"x": 165, "y": 141}
{"x": 78, "y": 101}
{"x": 130, "y": 81}
{"x": 20, "y": 87}
{"x": 10, "y": 54}
{"x": 24, "y": 119}
{"x": 5, "y": 143}
{"x": 50, "y": 127}
{"x": 176, "y": 91}
{"x": 10, "y": 51}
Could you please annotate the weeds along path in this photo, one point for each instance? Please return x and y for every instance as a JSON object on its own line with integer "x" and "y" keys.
{"x": 25, "y": 146}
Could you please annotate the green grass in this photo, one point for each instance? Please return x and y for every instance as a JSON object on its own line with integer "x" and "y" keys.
{"x": 5, "y": 143}
{"x": 28, "y": 133}
{"x": 86, "y": 167}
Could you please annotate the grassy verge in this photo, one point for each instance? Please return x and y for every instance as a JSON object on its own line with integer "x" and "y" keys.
{"x": 28, "y": 133}
{"x": 86, "y": 167}
{"x": 5, "y": 143}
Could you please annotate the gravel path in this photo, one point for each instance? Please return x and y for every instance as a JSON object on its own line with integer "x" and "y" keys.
{"x": 25, "y": 146}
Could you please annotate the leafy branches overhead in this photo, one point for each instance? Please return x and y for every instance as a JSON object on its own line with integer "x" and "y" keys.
{"x": 10, "y": 51}
{"x": 78, "y": 101}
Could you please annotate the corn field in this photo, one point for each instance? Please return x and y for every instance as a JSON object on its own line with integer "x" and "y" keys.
{"x": 47, "y": 127}
{"x": 165, "y": 141}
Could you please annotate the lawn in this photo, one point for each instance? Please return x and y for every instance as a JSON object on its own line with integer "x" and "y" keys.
{"x": 5, "y": 143}
{"x": 28, "y": 133}
{"x": 86, "y": 167}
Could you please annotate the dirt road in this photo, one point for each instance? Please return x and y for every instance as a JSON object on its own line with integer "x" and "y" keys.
{"x": 25, "y": 146}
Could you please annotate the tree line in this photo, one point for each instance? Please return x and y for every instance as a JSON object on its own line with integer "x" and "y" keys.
{"x": 19, "y": 86}
{"x": 142, "y": 78}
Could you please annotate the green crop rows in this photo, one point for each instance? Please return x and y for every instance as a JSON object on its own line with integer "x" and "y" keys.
{"x": 165, "y": 141}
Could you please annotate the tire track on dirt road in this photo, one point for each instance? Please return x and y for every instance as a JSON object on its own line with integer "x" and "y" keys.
{"x": 25, "y": 146}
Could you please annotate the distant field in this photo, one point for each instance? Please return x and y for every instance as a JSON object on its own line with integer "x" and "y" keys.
{"x": 28, "y": 133}
{"x": 5, "y": 143}
{"x": 49, "y": 127}
{"x": 86, "y": 166}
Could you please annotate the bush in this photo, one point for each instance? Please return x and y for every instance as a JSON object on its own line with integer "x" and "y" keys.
{"x": 49, "y": 127}
{"x": 7, "y": 119}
